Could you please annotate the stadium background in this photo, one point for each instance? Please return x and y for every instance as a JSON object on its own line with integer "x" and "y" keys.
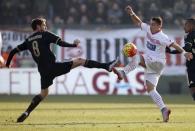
{"x": 91, "y": 99}
{"x": 90, "y": 21}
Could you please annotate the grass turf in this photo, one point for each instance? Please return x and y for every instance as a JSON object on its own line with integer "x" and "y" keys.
{"x": 97, "y": 113}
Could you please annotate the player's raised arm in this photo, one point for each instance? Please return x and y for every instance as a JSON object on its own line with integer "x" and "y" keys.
{"x": 133, "y": 16}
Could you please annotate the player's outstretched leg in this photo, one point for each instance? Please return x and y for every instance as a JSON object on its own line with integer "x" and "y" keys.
{"x": 35, "y": 101}
{"x": 107, "y": 66}
{"x": 128, "y": 68}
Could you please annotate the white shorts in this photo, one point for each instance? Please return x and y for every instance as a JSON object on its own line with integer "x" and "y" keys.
{"x": 154, "y": 68}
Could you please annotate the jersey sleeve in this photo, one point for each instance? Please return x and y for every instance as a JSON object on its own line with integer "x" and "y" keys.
{"x": 52, "y": 38}
{"x": 145, "y": 27}
{"x": 189, "y": 39}
{"x": 22, "y": 46}
{"x": 188, "y": 43}
{"x": 167, "y": 41}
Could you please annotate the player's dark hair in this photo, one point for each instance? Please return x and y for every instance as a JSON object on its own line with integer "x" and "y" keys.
{"x": 37, "y": 21}
{"x": 158, "y": 20}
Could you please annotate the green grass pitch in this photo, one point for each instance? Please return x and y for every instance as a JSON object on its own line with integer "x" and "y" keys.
{"x": 97, "y": 113}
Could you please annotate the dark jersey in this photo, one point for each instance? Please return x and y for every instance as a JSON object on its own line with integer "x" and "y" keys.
{"x": 190, "y": 47}
{"x": 39, "y": 46}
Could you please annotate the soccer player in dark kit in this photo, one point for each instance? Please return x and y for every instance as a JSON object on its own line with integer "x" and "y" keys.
{"x": 189, "y": 46}
{"x": 39, "y": 46}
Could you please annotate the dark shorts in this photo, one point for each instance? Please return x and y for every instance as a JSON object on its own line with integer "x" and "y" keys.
{"x": 191, "y": 77}
{"x": 54, "y": 70}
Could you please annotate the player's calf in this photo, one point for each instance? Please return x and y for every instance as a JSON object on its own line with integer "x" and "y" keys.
{"x": 96, "y": 64}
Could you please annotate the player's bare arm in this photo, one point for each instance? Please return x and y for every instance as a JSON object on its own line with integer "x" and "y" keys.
{"x": 188, "y": 55}
{"x": 133, "y": 16}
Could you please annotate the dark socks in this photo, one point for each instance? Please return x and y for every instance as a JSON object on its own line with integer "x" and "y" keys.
{"x": 35, "y": 101}
{"x": 95, "y": 64}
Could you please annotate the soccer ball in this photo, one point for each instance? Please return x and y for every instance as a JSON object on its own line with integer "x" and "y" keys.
{"x": 129, "y": 50}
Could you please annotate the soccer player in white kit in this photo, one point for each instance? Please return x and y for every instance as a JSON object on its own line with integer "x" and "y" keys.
{"x": 2, "y": 62}
{"x": 153, "y": 60}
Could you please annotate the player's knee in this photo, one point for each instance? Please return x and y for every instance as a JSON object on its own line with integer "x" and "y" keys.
{"x": 80, "y": 61}
{"x": 44, "y": 93}
{"x": 149, "y": 86}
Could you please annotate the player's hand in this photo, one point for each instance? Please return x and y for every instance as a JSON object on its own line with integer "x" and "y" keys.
{"x": 76, "y": 42}
{"x": 188, "y": 55}
{"x": 129, "y": 10}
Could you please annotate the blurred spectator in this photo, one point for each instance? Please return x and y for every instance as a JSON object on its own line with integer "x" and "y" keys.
{"x": 72, "y": 16}
{"x": 179, "y": 11}
{"x": 100, "y": 15}
{"x": 167, "y": 16}
{"x": 70, "y": 20}
{"x": 84, "y": 17}
{"x": 180, "y": 8}
{"x": 41, "y": 8}
{"x": 153, "y": 10}
{"x": 114, "y": 14}
{"x": 84, "y": 20}
{"x": 192, "y": 10}
{"x": 20, "y": 12}
{"x": 58, "y": 21}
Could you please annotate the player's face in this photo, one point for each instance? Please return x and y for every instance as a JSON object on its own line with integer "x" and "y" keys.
{"x": 154, "y": 27}
{"x": 43, "y": 26}
{"x": 187, "y": 27}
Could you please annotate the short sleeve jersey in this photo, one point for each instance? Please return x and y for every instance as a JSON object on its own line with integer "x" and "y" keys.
{"x": 155, "y": 43}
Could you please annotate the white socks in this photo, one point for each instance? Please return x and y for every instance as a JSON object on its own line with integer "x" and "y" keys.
{"x": 132, "y": 65}
{"x": 157, "y": 99}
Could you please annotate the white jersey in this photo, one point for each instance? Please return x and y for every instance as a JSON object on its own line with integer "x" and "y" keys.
{"x": 155, "y": 43}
